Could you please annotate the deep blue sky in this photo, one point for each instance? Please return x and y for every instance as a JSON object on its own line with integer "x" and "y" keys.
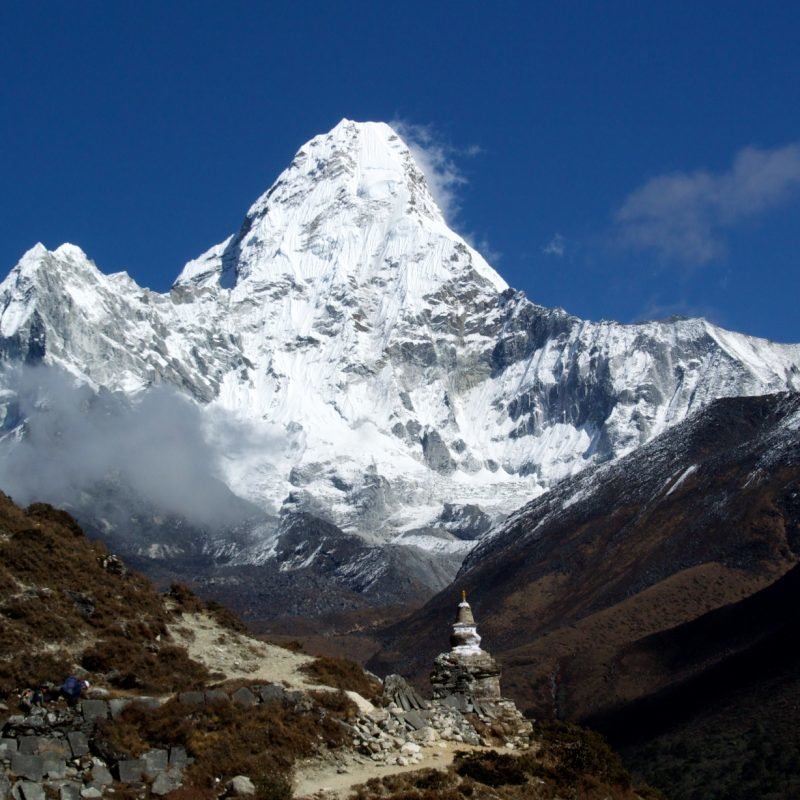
{"x": 635, "y": 160}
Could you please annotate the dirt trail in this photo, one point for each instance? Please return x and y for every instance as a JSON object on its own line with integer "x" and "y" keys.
{"x": 312, "y": 777}
{"x": 237, "y": 655}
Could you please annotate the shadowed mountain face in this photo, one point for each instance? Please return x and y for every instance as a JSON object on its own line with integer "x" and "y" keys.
{"x": 585, "y": 593}
{"x": 727, "y": 722}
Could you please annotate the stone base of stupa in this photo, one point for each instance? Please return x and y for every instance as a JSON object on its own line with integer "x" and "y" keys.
{"x": 473, "y": 675}
{"x": 470, "y": 683}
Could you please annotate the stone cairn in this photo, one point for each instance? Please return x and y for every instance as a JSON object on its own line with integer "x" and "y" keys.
{"x": 467, "y": 706}
{"x": 467, "y": 678}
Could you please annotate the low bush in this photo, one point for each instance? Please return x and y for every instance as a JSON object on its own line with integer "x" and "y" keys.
{"x": 185, "y": 600}
{"x": 29, "y": 670}
{"x": 337, "y": 703}
{"x": 571, "y": 752}
{"x": 341, "y": 673}
{"x": 492, "y": 768}
{"x": 159, "y": 667}
{"x": 225, "y": 739}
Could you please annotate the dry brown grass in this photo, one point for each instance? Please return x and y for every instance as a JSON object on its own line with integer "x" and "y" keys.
{"x": 341, "y": 673}
{"x": 225, "y": 739}
{"x": 60, "y": 593}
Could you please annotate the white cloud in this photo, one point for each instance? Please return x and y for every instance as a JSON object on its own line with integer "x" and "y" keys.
{"x": 437, "y": 160}
{"x": 684, "y": 216}
{"x": 484, "y": 247}
{"x": 555, "y": 247}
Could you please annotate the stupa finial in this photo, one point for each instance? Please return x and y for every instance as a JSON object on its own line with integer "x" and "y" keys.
{"x": 463, "y": 596}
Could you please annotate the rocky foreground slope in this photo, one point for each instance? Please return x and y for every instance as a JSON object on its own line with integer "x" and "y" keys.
{"x": 183, "y": 703}
{"x": 344, "y": 389}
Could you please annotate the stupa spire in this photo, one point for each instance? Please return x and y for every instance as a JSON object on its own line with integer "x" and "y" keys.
{"x": 465, "y": 639}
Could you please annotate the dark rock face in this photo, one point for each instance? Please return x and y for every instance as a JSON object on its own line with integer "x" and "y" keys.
{"x": 466, "y": 521}
{"x": 436, "y": 454}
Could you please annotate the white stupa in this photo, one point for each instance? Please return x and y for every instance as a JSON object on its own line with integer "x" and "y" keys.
{"x": 465, "y": 639}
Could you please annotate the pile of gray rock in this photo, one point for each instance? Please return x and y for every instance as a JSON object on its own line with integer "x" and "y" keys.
{"x": 400, "y": 732}
{"x": 54, "y": 750}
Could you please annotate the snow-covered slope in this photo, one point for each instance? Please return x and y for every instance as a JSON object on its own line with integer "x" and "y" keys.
{"x": 387, "y": 378}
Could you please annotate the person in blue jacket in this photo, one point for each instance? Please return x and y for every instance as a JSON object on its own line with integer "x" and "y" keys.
{"x": 71, "y": 689}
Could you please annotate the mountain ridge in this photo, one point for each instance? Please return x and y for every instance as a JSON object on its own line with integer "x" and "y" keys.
{"x": 353, "y": 359}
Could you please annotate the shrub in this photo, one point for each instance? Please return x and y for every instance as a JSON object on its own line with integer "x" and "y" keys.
{"x": 225, "y": 739}
{"x": 28, "y": 670}
{"x": 492, "y": 768}
{"x": 225, "y": 617}
{"x": 127, "y": 664}
{"x": 341, "y": 673}
{"x": 273, "y": 787}
{"x": 186, "y": 601}
{"x": 337, "y": 703}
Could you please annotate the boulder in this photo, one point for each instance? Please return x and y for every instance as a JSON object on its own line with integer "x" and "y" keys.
{"x": 272, "y": 693}
{"x": 31, "y": 791}
{"x": 101, "y": 776}
{"x": 178, "y": 758}
{"x": 78, "y": 743}
{"x": 155, "y": 761}
{"x": 131, "y": 770}
{"x": 416, "y": 720}
{"x": 117, "y": 705}
{"x": 166, "y": 782}
{"x": 244, "y": 697}
{"x": 69, "y": 791}
{"x": 94, "y": 709}
{"x": 240, "y": 786}
{"x": 54, "y": 765}
{"x": 27, "y": 766}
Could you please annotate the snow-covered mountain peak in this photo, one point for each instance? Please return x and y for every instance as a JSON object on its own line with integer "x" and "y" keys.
{"x": 356, "y": 162}
{"x": 352, "y": 205}
{"x": 62, "y": 258}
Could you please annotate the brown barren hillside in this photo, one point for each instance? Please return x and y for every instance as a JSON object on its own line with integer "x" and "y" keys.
{"x": 705, "y": 515}
{"x": 66, "y": 601}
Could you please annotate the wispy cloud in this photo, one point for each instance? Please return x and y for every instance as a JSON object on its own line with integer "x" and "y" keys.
{"x": 658, "y": 311}
{"x": 684, "y": 216}
{"x": 154, "y": 447}
{"x": 438, "y": 161}
{"x": 484, "y": 247}
{"x": 555, "y": 247}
